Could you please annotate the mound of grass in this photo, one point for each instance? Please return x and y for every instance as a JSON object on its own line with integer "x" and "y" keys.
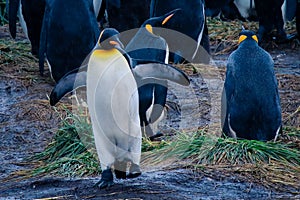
{"x": 270, "y": 163}
{"x": 209, "y": 149}
{"x": 72, "y": 151}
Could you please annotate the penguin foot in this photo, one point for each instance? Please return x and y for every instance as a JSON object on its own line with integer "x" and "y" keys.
{"x": 134, "y": 171}
{"x": 120, "y": 169}
{"x": 153, "y": 137}
{"x": 120, "y": 174}
{"x": 106, "y": 179}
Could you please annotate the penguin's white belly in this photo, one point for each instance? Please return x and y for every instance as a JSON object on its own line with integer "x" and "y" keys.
{"x": 113, "y": 105}
{"x": 22, "y": 21}
{"x": 244, "y": 6}
{"x": 97, "y": 6}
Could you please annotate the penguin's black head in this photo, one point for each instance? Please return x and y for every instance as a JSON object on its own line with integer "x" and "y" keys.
{"x": 158, "y": 21}
{"x": 109, "y": 38}
{"x": 247, "y": 35}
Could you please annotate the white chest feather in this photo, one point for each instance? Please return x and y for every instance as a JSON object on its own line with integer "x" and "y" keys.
{"x": 113, "y": 105}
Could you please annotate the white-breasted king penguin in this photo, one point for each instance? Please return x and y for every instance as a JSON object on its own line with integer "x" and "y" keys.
{"x": 113, "y": 103}
{"x": 250, "y": 101}
{"x": 152, "y": 97}
{"x": 69, "y": 33}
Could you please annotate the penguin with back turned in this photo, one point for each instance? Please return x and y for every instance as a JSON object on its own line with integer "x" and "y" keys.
{"x": 112, "y": 80}
{"x": 69, "y": 32}
{"x": 149, "y": 46}
{"x": 250, "y": 100}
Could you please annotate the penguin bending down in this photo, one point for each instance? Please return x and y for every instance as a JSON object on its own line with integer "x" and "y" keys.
{"x": 113, "y": 103}
{"x": 152, "y": 97}
{"x": 250, "y": 99}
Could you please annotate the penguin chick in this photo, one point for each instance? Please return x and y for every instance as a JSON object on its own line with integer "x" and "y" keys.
{"x": 250, "y": 100}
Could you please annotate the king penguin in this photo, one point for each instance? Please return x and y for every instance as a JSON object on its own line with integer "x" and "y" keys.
{"x": 250, "y": 101}
{"x": 69, "y": 33}
{"x": 152, "y": 97}
{"x": 113, "y": 103}
{"x": 190, "y": 22}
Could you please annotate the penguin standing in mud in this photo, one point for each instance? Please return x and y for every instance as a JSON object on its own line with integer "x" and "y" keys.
{"x": 152, "y": 97}
{"x": 250, "y": 101}
{"x": 112, "y": 80}
{"x": 69, "y": 33}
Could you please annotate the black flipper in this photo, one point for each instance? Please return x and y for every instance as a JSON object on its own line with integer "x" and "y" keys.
{"x": 161, "y": 71}
{"x": 12, "y": 16}
{"x": 71, "y": 81}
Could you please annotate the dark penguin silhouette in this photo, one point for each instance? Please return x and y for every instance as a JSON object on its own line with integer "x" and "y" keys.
{"x": 250, "y": 100}
{"x": 190, "y": 22}
{"x": 292, "y": 10}
{"x": 270, "y": 16}
{"x": 69, "y": 33}
{"x": 149, "y": 46}
{"x": 125, "y": 15}
{"x": 225, "y": 9}
{"x": 298, "y": 19}
{"x": 31, "y": 14}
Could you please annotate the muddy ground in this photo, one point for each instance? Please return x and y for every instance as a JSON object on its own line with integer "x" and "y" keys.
{"x": 28, "y": 122}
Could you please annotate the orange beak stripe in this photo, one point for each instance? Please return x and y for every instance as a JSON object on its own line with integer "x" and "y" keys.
{"x": 112, "y": 42}
{"x": 167, "y": 19}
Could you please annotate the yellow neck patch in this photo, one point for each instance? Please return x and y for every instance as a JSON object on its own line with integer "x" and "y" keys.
{"x": 149, "y": 28}
{"x": 105, "y": 54}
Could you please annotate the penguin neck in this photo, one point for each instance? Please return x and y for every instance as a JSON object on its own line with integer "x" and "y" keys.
{"x": 248, "y": 44}
{"x": 105, "y": 53}
{"x": 145, "y": 31}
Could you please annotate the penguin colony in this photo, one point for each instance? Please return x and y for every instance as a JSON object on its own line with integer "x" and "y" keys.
{"x": 127, "y": 87}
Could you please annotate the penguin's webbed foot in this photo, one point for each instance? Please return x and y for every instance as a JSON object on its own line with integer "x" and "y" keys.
{"x": 134, "y": 171}
{"x": 157, "y": 135}
{"x": 120, "y": 169}
{"x": 106, "y": 179}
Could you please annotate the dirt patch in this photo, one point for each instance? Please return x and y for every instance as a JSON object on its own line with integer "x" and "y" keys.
{"x": 27, "y": 124}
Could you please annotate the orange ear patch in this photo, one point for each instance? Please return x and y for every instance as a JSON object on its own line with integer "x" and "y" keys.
{"x": 242, "y": 38}
{"x": 255, "y": 38}
{"x": 149, "y": 28}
